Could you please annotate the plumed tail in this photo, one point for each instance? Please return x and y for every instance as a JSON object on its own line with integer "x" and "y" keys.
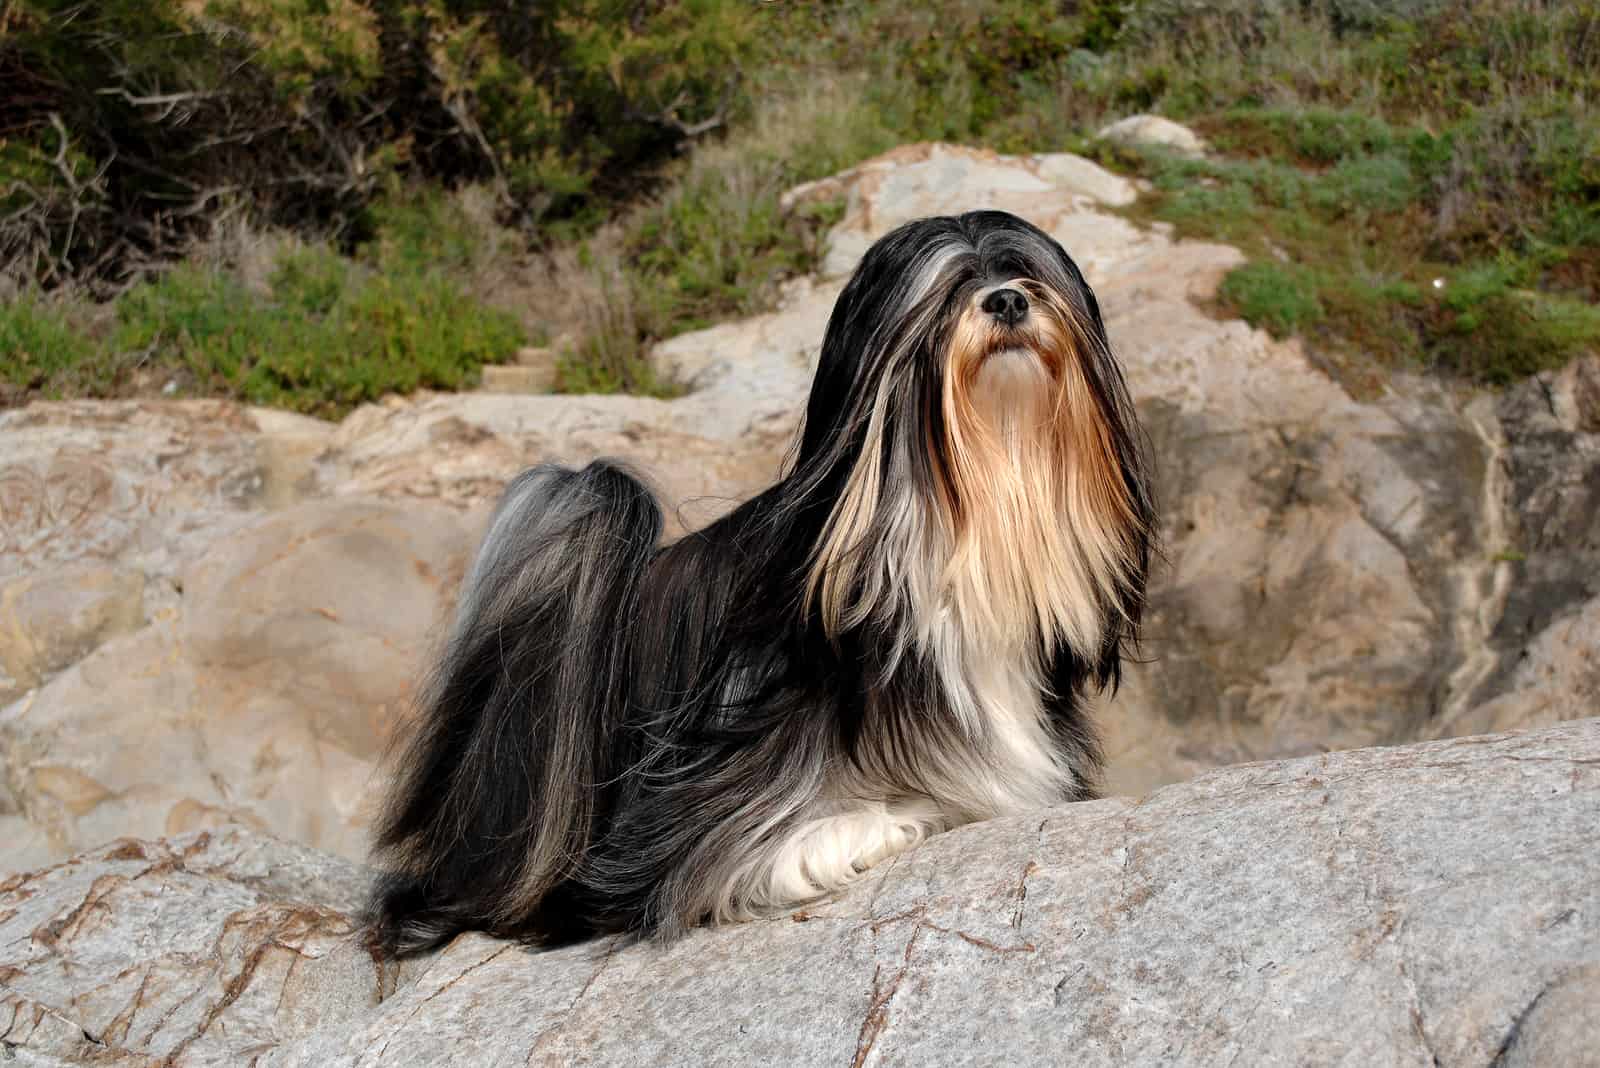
{"x": 494, "y": 802}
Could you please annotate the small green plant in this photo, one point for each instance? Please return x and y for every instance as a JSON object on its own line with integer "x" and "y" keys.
{"x": 328, "y": 337}
{"x": 420, "y": 229}
{"x": 42, "y": 353}
{"x": 717, "y": 242}
{"x": 1498, "y": 335}
{"x": 1277, "y": 297}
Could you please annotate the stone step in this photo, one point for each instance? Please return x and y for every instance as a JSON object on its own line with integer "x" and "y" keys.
{"x": 533, "y": 372}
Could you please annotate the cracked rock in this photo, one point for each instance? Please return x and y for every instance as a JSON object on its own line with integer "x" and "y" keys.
{"x": 1432, "y": 903}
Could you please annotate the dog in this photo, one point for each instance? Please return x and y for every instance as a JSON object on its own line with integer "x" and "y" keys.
{"x": 624, "y": 736}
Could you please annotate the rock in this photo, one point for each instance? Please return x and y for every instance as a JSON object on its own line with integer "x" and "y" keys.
{"x": 714, "y": 448}
{"x": 328, "y": 605}
{"x": 927, "y": 179}
{"x": 1077, "y": 175}
{"x": 1541, "y": 608}
{"x": 516, "y": 378}
{"x": 1549, "y": 539}
{"x": 1155, "y": 131}
{"x": 264, "y": 701}
{"x": 1427, "y": 904}
{"x": 54, "y": 617}
{"x": 1342, "y": 567}
{"x": 245, "y": 945}
{"x": 1556, "y": 677}
{"x": 141, "y": 484}
{"x": 1558, "y": 1027}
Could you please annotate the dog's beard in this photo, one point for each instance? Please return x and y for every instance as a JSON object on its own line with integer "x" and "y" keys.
{"x": 1043, "y": 526}
{"x": 1026, "y": 527}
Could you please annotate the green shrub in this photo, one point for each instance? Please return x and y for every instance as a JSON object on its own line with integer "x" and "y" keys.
{"x": 41, "y": 352}
{"x": 310, "y": 280}
{"x": 165, "y": 116}
{"x": 1364, "y": 148}
{"x": 1277, "y": 297}
{"x": 1365, "y": 184}
{"x": 1316, "y": 135}
{"x": 716, "y": 243}
{"x": 330, "y": 335}
{"x": 1506, "y": 334}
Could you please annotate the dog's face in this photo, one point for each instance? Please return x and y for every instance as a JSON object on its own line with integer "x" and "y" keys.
{"x": 967, "y": 411}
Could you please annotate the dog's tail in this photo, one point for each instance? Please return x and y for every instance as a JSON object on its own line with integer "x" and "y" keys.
{"x": 493, "y": 805}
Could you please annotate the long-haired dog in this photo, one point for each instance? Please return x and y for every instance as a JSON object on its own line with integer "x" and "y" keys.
{"x": 893, "y": 640}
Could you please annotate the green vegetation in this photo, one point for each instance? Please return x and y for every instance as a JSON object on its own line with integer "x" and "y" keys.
{"x": 1416, "y": 183}
{"x": 325, "y": 333}
{"x": 42, "y": 348}
{"x": 1280, "y": 297}
{"x": 714, "y": 244}
{"x": 131, "y": 126}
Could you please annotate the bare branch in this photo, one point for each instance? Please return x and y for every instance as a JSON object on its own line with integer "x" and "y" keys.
{"x": 160, "y": 99}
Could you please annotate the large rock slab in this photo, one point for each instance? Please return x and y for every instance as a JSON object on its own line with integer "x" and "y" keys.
{"x": 1545, "y": 635}
{"x": 1344, "y": 565}
{"x": 265, "y": 699}
{"x": 140, "y": 485}
{"x": 244, "y": 943}
{"x": 719, "y": 446}
{"x": 1428, "y": 904}
{"x": 53, "y": 617}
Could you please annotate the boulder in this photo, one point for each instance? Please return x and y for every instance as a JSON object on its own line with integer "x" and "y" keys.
{"x": 1556, "y": 676}
{"x": 1153, "y": 131}
{"x": 265, "y": 701}
{"x": 138, "y": 485}
{"x": 1429, "y": 904}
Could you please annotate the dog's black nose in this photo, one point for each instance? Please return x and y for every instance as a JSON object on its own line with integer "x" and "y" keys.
{"x": 1007, "y": 305}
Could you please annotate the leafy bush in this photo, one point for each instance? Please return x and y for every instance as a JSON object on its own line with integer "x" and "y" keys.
{"x": 329, "y": 335}
{"x": 1277, "y": 297}
{"x": 130, "y": 126}
{"x": 44, "y": 353}
{"x": 320, "y": 332}
{"x": 716, "y": 242}
{"x": 1365, "y": 148}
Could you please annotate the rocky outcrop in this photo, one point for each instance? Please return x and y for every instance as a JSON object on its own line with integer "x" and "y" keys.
{"x": 1428, "y": 904}
{"x": 1345, "y": 564}
{"x": 263, "y": 699}
{"x": 1545, "y": 633}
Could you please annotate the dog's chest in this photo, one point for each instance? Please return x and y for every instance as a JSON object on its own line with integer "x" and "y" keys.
{"x": 996, "y": 698}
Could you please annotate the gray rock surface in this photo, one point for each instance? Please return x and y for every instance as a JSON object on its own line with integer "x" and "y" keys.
{"x": 199, "y": 950}
{"x": 1428, "y": 904}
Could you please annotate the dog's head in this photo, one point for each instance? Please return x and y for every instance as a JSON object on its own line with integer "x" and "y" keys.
{"x": 975, "y": 443}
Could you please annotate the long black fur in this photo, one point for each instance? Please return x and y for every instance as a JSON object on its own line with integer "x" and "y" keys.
{"x": 612, "y": 718}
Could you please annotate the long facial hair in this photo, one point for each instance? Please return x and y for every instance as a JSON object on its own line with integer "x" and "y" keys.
{"x": 890, "y": 641}
{"x": 996, "y": 469}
